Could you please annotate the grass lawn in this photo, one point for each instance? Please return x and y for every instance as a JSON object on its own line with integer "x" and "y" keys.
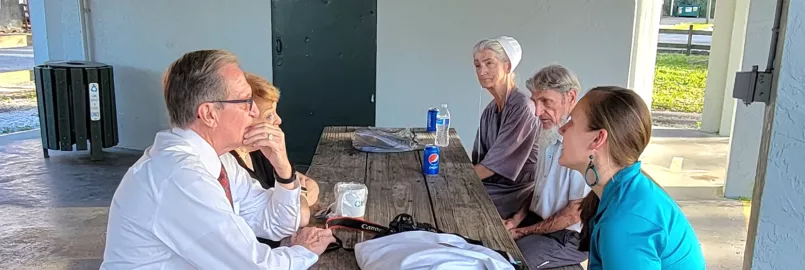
{"x": 18, "y": 95}
{"x": 6, "y": 130}
{"x": 679, "y": 82}
{"x": 685, "y": 26}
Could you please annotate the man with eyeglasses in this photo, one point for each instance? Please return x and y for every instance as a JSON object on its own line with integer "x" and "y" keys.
{"x": 188, "y": 204}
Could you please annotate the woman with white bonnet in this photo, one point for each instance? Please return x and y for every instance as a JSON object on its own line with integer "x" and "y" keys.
{"x": 504, "y": 154}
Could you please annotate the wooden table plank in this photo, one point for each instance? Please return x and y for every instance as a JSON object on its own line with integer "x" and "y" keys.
{"x": 455, "y": 200}
{"x": 336, "y": 161}
{"x": 460, "y": 202}
{"x": 396, "y": 185}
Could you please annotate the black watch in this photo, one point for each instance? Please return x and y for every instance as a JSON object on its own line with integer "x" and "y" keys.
{"x": 283, "y": 180}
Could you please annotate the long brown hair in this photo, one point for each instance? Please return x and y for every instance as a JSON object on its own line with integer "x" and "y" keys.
{"x": 627, "y": 120}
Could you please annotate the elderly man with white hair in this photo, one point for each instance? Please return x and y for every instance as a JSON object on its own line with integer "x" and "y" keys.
{"x": 547, "y": 230}
{"x": 504, "y": 153}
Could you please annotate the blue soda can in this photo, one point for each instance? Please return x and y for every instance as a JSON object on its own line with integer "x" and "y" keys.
{"x": 430, "y": 161}
{"x": 432, "y": 113}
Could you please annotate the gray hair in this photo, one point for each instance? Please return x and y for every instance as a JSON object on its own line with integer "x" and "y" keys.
{"x": 193, "y": 79}
{"x": 494, "y": 46}
{"x": 553, "y": 77}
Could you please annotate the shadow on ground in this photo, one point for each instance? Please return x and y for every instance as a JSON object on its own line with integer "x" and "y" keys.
{"x": 720, "y": 227}
{"x": 54, "y": 211}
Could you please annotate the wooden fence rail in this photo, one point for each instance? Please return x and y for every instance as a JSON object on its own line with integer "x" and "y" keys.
{"x": 689, "y": 46}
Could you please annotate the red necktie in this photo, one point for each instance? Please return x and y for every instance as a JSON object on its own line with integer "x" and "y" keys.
{"x": 224, "y": 180}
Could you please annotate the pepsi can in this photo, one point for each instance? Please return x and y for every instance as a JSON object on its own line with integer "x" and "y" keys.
{"x": 430, "y": 161}
{"x": 432, "y": 113}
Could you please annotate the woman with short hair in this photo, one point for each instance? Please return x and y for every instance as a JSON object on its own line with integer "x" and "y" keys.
{"x": 266, "y": 96}
{"x": 505, "y": 151}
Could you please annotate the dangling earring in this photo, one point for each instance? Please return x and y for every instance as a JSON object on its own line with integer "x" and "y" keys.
{"x": 591, "y": 166}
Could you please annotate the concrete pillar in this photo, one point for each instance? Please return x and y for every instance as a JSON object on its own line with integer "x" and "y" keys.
{"x": 735, "y": 61}
{"x": 746, "y": 132}
{"x": 726, "y": 56}
{"x": 717, "y": 67}
{"x": 56, "y": 30}
{"x": 644, "y": 48}
{"x": 776, "y": 238}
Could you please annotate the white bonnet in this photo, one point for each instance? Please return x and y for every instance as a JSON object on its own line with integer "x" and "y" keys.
{"x": 512, "y": 48}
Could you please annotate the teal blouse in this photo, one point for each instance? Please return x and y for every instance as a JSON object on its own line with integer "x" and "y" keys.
{"x": 638, "y": 226}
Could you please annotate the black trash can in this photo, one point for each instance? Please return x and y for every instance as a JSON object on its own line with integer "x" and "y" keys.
{"x": 76, "y": 101}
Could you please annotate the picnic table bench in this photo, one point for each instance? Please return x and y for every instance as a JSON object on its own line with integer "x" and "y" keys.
{"x": 454, "y": 201}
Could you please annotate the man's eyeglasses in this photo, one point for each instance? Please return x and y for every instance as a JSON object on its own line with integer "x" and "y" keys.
{"x": 249, "y": 101}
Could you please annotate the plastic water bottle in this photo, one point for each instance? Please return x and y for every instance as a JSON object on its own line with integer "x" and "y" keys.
{"x": 443, "y": 127}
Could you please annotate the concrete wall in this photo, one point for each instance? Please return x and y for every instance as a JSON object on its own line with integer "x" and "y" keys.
{"x": 424, "y": 59}
{"x": 780, "y": 240}
{"x": 747, "y": 130}
{"x": 420, "y": 63}
{"x": 141, "y": 38}
{"x": 56, "y": 30}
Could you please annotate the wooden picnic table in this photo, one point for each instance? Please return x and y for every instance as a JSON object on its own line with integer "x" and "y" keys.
{"x": 454, "y": 201}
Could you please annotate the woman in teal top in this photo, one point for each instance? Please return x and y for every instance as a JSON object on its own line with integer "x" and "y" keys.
{"x": 636, "y": 225}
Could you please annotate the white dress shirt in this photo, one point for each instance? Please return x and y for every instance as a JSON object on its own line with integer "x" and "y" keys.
{"x": 170, "y": 212}
{"x": 556, "y": 185}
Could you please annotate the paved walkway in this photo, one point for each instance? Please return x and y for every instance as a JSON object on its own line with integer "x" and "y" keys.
{"x": 679, "y": 38}
{"x": 683, "y": 39}
{"x": 691, "y": 166}
{"x": 12, "y": 59}
{"x": 54, "y": 211}
{"x": 682, "y": 157}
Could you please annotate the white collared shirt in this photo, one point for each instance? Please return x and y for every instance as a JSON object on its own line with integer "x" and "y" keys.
{"x": 556, "y": 185}
{"x": 170, "y": 212}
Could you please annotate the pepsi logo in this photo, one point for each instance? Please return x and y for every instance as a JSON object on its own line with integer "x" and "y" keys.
{"x": 433, "y": 158}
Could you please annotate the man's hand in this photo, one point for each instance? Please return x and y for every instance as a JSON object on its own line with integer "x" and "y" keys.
{"x": 271, "y": 141}
{"x": 518, "y": 233}
{"x": 313, "y": 239}
{"x": 567, "y": 216}
{"x": 510, "y": 223}
{"x": 517, "y": 218}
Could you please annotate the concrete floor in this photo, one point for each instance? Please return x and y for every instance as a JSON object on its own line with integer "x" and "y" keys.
{"x": 721, "y": 229}
{"x": 691, "y": 166}
{"x": 688, "y": 163}
{"x": 54, "y": 211}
